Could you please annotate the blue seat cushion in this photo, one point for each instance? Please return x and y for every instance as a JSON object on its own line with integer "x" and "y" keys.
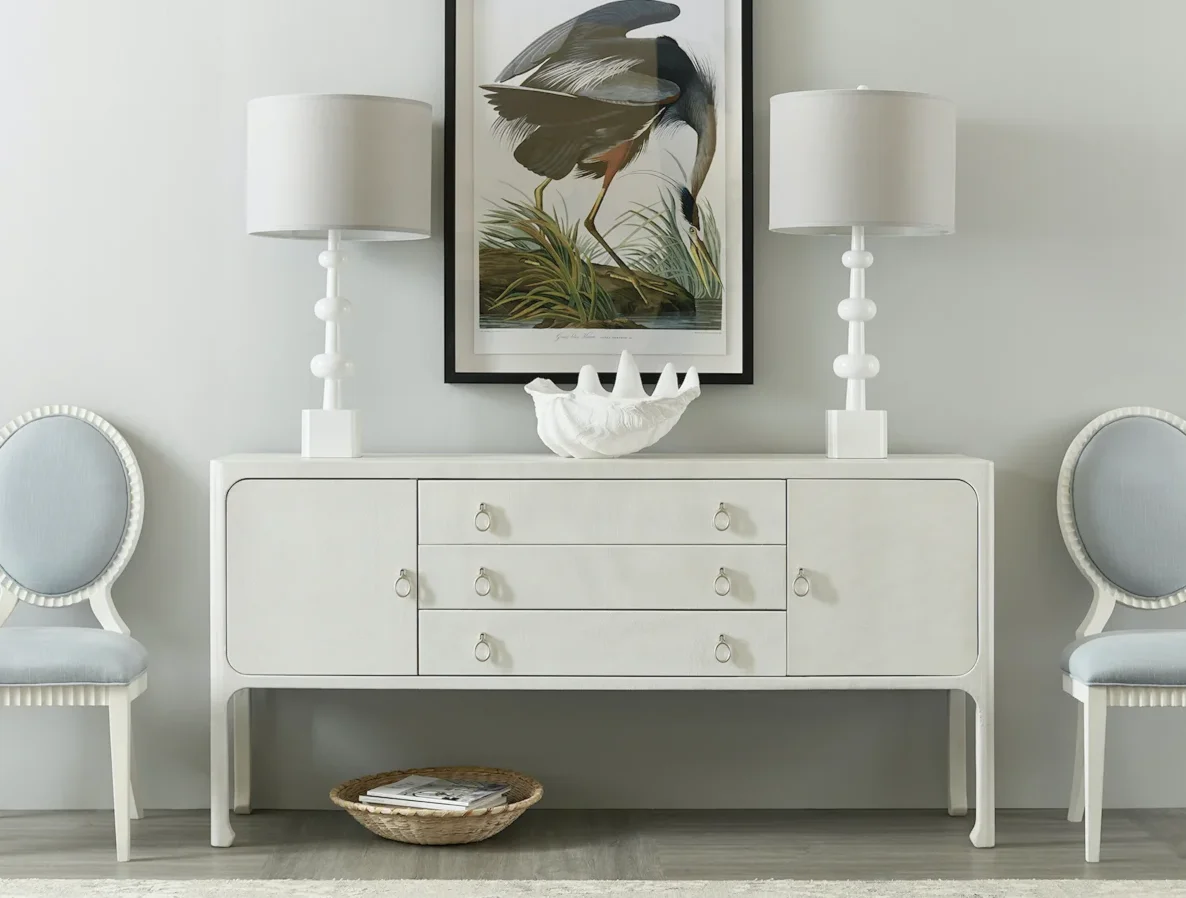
{"x": 60, "y": 656}
{"x": 1128, "y": 658}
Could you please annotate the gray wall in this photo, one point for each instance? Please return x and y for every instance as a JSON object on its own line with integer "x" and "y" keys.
{"x": 129, "y": 287}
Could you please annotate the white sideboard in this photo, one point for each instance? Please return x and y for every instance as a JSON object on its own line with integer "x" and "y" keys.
{"x": 663, "y": 572}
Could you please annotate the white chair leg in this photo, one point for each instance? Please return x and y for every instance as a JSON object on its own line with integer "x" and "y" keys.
{"x": 1075, "y": 806}
{"x": 241, "y": 738}
{"x": 133, "y": 783}
{"x": 119, "y": 714}
{"x": 957, "y": 753}
{"x": 1095, "y": 723}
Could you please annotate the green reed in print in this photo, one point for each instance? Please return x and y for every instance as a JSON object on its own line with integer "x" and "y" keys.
{"x": 657, "y": 244}
{"x": 537, "y": 269}
{"x": 541, "y": 272}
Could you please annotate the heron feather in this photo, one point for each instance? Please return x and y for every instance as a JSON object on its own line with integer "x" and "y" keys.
{"x": 614, "y": 19}
{"x": 575, "y": 76}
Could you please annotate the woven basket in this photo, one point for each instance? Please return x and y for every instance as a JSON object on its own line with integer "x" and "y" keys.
{"x": 424, "y": 827}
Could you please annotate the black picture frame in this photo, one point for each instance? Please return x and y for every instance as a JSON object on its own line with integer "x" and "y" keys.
{"x": 455, "y": 376}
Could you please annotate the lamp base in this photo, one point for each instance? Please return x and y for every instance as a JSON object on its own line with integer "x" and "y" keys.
{"x": 857, "y": 434}
{"x": 330, "y": 433}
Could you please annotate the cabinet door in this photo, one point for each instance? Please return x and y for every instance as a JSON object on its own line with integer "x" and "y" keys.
{"x": 312, "y": 567}
{"x": 891, "y": 577}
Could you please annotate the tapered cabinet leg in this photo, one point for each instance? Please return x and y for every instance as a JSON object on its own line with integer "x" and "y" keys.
{"x": 1095, "y": 722}
{"x": 957, "y": 753}
{"x": 119, "y": 716}
{"x": 221, "y": 833}
{"x": 241, "y": 735}
{"x": 1075, "y": 805}
{"x": 984, "y": 831}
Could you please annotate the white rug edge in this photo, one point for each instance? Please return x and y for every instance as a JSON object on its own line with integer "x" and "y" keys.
{"x": 429, "y": 888}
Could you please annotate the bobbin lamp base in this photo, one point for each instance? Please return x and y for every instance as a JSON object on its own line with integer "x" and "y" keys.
{"x": 330, "y": 433}
{"x": 857, "y": 434}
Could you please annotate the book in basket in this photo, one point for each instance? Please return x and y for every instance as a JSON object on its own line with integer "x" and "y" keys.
{"x": 438, "y": 794}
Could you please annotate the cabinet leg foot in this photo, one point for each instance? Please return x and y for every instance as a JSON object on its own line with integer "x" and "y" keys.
{"x": 221, "y": 833}
{"x": 984, "y": 832}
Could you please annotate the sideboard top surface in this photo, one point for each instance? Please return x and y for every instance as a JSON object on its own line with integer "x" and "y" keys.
{"x": 646, "y": 466}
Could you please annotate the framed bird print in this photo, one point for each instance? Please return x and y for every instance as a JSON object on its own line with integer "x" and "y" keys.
{"x": 599, "y": 188}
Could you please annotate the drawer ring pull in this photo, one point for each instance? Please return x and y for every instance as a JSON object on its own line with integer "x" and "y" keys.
{"x": 721, "y": 519}
{"x": 801, "y": 586}
{"x": 403, "y": 584}
{"x": 723, "y": 652}
{"x": 722, "y": 585}
{"x": 482, "y": 519}
{"x": 482, "y": 582}
{"x": 482, "y": 650}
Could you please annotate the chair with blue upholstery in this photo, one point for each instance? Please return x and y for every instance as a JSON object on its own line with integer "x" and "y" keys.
{"x": 71, "y": 508}
{"x": 1122, "y": 510}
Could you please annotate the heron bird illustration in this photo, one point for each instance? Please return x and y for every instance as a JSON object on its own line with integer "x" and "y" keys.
{"x": 594, "y": 96}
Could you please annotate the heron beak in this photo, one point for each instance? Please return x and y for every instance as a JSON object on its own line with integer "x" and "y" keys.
{"x": 701, "y": 257}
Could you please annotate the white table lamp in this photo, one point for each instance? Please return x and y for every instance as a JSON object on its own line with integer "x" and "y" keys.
{"x": 337, "y": 167}
{"x": 869, "y": 163}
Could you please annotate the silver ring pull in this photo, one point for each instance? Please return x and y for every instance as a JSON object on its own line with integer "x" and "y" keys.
{"x": 403, "y": 584}
{"x": 482, "y": 519}
{"x": 801, "y": 586}
{"x": 482, "y": 583}
{"x": 722, "y": 585}
{"x": 721, "y": 519}
{"x": 482, "y": 650}
{"x": 724, "y": 651}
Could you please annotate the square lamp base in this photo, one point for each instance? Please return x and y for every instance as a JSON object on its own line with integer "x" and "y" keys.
{"x": 861, "y": 434}
{"x": 330, "y": 433}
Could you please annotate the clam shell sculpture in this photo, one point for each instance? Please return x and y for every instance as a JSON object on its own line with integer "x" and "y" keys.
{"x": 590, "y": 422}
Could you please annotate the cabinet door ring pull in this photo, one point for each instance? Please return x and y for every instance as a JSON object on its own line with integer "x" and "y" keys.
{"x": 801, "y": 586}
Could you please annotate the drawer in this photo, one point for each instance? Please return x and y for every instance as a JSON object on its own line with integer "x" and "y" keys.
{"x": 695, "y": 578}
{"x": 603, "y": 643}
{"x": 639, "y": 512}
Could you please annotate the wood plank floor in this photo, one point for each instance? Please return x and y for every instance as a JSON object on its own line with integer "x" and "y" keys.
{"x": 547, "y": 844}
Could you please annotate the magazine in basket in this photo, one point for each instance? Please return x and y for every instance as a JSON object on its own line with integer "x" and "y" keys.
{"x": 430, "y": 792}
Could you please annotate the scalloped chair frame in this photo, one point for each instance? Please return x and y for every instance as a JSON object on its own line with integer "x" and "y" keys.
{"x": 1087, "y": 782}
{"x": 117, "y": 699}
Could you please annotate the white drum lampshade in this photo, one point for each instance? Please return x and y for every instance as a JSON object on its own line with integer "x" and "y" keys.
{"x": 337, "y": 167}
{"x": 861, "y": 162}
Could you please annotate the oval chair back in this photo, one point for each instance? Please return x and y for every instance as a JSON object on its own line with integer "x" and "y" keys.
{"x": 1122, "y": 507}
{"x": 71, "y": 510}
